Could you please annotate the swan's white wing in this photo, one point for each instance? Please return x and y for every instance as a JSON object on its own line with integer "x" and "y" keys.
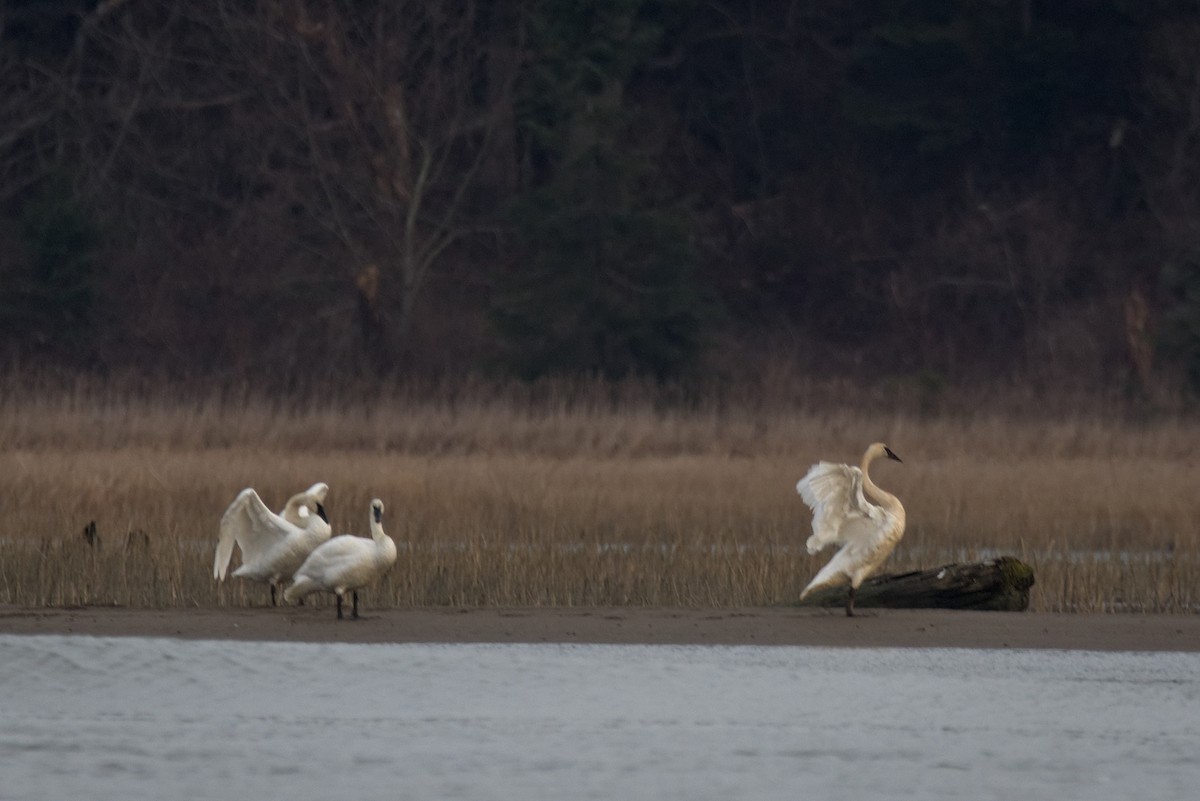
{"x": 231, "y": 523}
{"x": 249, "y": 523}
{"x": 342, "y": 563}
{"x": 834, "y": 493}
{"x": 336, "y": 556}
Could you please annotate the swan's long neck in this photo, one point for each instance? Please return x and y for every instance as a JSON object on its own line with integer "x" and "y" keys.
{"x": 885, "y": 499}
{"x": 385, "y": 546}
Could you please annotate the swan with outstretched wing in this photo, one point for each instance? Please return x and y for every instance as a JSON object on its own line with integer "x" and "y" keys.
{"x": 272, "y": 545}
{"x": 850, "y": 511}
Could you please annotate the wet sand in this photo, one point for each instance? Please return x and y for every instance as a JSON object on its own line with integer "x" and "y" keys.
{"x": 751, "y": 626}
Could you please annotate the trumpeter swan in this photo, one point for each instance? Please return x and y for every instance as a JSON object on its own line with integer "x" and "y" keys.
{"x": 297, "y": 510}
{"x": 273, "y": 545}
{"x": 346, "y": 563}
{"x": 840, "y": 496}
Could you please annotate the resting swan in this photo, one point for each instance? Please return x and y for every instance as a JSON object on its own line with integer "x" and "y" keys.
{"x": 346, "y": 563}
{"x": 840, "y": 497}
{"x": 273, "y": 545}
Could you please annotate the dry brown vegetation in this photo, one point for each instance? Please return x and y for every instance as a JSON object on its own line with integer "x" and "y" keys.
{"x": 584, "y": 497}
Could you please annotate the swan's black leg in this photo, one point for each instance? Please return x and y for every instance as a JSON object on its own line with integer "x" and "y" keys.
{"x": 339, "y": 606}
{"x": 850, "y": 601}
{"x": 355, "y": 613}
{"x": 273, "y": 594}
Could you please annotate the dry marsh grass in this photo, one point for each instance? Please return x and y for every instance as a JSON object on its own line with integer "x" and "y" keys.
{"x": 501, "y": 499}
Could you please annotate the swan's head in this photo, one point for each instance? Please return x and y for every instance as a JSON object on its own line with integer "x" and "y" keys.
{"x": 377, "y": 510}
{"x": 318, "y": 492}
{"x": 878, "y": 450}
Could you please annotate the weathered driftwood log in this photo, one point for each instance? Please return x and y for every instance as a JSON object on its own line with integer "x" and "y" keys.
{"x": 1000, "y": 584}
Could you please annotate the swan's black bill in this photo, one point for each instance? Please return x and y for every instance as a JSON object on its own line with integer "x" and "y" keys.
{"x": 321, "y": 513}
{"x": 378, "y": 514}
{"x": 891, "y": 455}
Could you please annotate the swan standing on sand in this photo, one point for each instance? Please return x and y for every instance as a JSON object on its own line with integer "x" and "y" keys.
{"x": 273, "y": 545}
{"x": 346, "y": 563}
{"x": 842, "y": 515}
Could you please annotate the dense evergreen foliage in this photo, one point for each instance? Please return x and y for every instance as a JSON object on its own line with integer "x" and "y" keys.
{"x": 919, "y": 188}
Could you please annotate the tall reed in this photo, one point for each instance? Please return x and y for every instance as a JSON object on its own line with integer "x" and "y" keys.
{"x": 505, "y": 497}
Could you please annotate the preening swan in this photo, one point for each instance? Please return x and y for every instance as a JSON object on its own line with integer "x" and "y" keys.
{"x": 346, "y": 563}
{"x": 273, "y": 545}
{"x": 840, "y": 497}
{"x": 299, "y": 508}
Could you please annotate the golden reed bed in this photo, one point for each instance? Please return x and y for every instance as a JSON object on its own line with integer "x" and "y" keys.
{"x": 575, "y": 500}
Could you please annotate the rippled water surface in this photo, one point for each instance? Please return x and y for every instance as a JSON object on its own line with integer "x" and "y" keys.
{"x": 128, "y": 718}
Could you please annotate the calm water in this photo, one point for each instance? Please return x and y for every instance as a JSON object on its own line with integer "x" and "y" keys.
{"x": 126, "y": 718}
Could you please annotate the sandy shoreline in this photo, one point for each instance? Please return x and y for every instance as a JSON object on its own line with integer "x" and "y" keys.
{"x": 751, "y": 626}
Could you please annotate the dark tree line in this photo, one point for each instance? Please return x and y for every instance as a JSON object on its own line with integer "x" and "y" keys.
{"x": 948, "y": 189}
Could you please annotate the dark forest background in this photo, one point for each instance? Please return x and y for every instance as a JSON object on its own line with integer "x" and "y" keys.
{"x": 941, "y": 191}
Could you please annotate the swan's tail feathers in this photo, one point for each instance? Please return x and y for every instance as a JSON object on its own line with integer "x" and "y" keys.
{"x": 829, "y": 576}
{"x": 301, "y": 587}
{"x": 818, "y": 584}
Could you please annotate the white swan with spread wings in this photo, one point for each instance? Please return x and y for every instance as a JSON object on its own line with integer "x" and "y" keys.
{"x": 273, "y": 545}
{"x": 850, "y": 511}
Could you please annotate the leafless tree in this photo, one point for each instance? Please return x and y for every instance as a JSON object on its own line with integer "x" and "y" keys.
{"x": 347, "y": 135}
{"x": 394, "y": 108}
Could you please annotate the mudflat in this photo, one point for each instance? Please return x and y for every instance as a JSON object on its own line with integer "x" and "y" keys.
{"x": 634, "y": 625}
